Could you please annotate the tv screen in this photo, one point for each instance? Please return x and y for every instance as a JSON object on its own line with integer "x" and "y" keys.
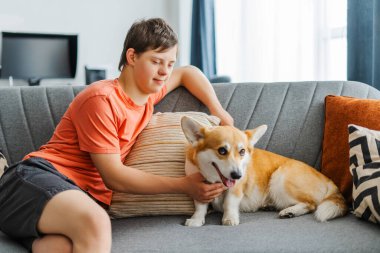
{"x": 38, "y": 56}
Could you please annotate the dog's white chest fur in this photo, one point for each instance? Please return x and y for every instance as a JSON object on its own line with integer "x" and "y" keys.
{"x": 217, "y": 204}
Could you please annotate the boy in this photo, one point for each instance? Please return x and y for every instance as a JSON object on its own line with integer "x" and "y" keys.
{"x": 51, "y": 201}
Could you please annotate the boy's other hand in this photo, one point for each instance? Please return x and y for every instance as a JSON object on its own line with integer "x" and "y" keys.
{"x": 225, "y": 118}
{"x": 202, "y": 191}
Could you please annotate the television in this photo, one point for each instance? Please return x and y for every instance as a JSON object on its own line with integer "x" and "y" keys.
{"x": 34, "y": 56}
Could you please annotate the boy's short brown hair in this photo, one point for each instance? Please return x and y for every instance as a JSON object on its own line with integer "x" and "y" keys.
{"x": 147, "y": 35}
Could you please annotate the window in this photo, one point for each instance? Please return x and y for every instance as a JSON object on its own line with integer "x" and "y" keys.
{"x": 276, "y": 40}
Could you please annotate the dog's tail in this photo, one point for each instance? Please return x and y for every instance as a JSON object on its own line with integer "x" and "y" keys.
{"x": 334, "y": 205}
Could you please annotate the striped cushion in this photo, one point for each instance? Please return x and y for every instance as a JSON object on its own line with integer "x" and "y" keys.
{"x": 3, "y": 163}
{"x": 159, "y": 149}
{"x": 365, "y": 171}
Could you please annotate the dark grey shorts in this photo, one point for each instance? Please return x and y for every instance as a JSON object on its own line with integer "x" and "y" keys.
{"x": 25, "y": 188}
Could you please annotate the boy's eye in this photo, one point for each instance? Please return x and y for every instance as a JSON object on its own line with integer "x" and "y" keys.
{"x": 222, "y": 151}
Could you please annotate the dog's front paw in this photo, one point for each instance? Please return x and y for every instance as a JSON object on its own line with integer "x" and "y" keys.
{"x": 230, "y": 220}
{"x": 195, "y": 222}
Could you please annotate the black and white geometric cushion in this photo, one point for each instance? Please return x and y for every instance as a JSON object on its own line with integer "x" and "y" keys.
{"x": 365, "y": 171}
{"x": 3, "y": 163}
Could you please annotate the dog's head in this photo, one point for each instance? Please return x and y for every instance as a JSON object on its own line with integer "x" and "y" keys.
{"x": 221, "y": 152}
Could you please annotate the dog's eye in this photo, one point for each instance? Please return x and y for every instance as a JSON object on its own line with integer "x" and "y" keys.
{"x": 242, "y": 152}
{"x": 222, "y": 151}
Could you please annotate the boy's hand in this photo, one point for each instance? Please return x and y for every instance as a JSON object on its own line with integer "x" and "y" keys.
{"x": 199, "y": 190}
{"x": 225, "y": 118}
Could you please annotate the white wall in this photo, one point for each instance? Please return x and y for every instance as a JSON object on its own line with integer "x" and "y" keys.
{"x": 180, "y": 17}
{"x": 100, "y": 24}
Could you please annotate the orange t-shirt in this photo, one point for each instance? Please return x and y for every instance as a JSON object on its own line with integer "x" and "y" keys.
{"x": 101, "y": 119}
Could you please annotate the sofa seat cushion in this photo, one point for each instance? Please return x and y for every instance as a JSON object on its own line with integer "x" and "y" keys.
{"x": 365, "y": 170}
{"x": 159, "y": 149}
{"x": 340, "y": 111}
{"x": 258, "y": 232}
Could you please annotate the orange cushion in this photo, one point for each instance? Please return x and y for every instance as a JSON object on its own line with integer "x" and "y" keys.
{"x": 339, "y": 112}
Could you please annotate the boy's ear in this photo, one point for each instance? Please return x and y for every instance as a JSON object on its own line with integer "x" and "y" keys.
{"x": 254, "y": 135}
{"x": 192, "y": 129}
{"x": 130, "y": 56}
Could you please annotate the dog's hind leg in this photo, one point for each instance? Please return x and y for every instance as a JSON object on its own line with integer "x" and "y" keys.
{"x": 296, "y": 210}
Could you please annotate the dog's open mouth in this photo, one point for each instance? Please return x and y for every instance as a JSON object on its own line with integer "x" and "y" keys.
{"x": 226, "y": 181}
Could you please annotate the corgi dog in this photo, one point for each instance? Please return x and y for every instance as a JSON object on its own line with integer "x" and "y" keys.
{"x": 255, "y": 179}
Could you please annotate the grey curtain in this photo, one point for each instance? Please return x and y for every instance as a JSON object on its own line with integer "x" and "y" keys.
{"x": 203, "y": 53}
{"x": 363, "y": 41}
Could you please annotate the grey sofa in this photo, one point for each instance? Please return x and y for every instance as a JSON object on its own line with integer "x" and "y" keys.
{"x": 294, "y": 113}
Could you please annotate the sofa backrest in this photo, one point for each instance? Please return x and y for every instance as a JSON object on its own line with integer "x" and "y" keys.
{"x": 294, "y": 113}
{"x": 29, "y": 115}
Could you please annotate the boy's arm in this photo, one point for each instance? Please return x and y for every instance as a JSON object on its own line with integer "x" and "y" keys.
{"x": 119, "y": 177}
{"x": 197, "y": 83}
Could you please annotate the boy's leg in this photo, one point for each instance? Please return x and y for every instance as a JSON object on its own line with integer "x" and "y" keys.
{"x": 75, "y": 215}
{"x": 52, "y": 243}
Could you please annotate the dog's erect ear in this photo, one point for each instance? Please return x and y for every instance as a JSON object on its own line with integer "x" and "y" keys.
{"x": 192, "y": 129}
{"x": 255, "y": 134}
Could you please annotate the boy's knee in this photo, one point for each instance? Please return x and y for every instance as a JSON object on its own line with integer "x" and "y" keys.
{"x": 97, "y": 221}
{"x": 95, "y": 231}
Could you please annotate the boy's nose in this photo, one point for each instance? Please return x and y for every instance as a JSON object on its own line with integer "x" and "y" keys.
{"x": 163, "y": 71}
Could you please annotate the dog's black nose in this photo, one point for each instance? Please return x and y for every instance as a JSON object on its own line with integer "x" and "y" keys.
{"x": 235, "y": 174}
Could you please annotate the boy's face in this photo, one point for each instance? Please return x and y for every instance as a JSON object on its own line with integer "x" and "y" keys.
{"x": 153, "y": 68}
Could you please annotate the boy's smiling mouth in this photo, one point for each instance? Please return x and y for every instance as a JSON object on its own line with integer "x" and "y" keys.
{"x": 159, "y": 81}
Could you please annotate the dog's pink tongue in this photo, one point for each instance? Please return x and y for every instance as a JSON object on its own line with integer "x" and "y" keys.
{"x": 229, "y": 183}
